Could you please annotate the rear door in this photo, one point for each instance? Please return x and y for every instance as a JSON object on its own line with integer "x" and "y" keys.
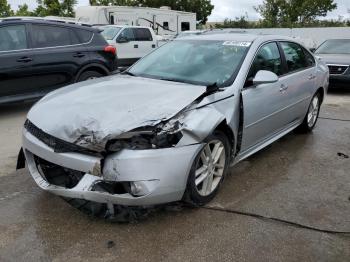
{"x": 16, "y": 61}
{"x": 58, "y": 55}
{"x": 300, "y": 80}
{"x": 144, "y": 42}
{"x": 264, "y": 104}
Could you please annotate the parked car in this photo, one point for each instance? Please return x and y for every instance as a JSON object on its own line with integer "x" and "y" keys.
{"x": 40, "y": 55}
{"x": 336, "y": 54}
{"x": 132, "y": 42}
{"x": 169, "y": 127}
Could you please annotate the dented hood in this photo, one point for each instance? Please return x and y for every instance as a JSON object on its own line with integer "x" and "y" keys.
{"x": 90, "y": 113}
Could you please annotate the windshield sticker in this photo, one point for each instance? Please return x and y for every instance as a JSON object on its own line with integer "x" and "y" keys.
{"x": 235, "y": 43}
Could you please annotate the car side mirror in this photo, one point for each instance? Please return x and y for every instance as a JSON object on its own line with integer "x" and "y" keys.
{"x": 312, "y": 50}
{"x": 122, "y": 40}
{"x": 265, "y": 77}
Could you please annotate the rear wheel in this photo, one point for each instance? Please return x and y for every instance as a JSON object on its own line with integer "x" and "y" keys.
{"x": 87, "y": 75}
{"x": 208, "y": 170}
{"x": 311, "y": 117}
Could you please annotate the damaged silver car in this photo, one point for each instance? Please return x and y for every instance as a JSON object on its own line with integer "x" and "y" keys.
{"x": 169, "y": 127}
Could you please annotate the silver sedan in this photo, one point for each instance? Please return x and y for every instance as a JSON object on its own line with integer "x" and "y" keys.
{"x": 169, "y": 127}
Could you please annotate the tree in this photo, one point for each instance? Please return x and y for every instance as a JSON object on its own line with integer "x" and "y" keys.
{"x": 5, "y": 9}
{"x": 23, "y": 11}
{"x": 55, "y": 8}
{"x": 293, "y": 12}
{"x": 203, "y": 8}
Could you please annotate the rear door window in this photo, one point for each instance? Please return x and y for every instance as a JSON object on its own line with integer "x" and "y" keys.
{"x": 13, "y": 37}
{"x": 268, "y": 58}
{"x": 295, "y": 56}
{"x": 142, "y": 34}
{"x": 50, "y": 36}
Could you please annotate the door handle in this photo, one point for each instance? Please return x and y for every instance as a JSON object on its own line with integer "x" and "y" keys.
{"x": 24, "y": 60}
{"x": 311, "y": 77}
{"x": 283, "y": 88}
{"x": 153, "y": 46}
{"x": 78, "y": 55}
{"x": 136, "y": 46}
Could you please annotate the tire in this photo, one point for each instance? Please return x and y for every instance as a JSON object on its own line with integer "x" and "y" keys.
{"x": 312, "y": 114}
{"x": 202, "y": 188}
{"x": 89, "y": 75}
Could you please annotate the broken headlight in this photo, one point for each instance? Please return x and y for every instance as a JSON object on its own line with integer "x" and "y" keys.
{"x": 145, "y": 141}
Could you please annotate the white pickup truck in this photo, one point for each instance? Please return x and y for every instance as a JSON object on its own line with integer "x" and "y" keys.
{"x": 132, "y": 42}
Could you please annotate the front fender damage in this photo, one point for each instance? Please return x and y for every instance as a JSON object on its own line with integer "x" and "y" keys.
{"x": 193, "y": 124}
{"x": 200, "y": 123}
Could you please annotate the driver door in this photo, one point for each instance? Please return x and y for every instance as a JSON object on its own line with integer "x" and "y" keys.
{"x": 264, "y": 104}
{"x": 126, "y": 47}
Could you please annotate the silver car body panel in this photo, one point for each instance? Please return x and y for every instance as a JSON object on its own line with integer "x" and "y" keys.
{"x": 168, "y": 182}
{"x": 91, "y": 113}
{"x": 100, "y": 99}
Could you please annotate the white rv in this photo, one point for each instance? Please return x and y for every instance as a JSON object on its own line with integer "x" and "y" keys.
{"x": 164, "y": 21}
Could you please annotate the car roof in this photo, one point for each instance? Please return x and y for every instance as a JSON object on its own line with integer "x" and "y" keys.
{"x": 234, "y": 36}
{"x": 128, "y": 26}
{"x": 38, "y": 20}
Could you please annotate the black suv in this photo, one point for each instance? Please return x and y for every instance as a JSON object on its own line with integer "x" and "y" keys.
{"x": 39, "y": 55}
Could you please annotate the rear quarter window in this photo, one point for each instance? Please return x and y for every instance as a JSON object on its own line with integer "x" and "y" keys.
{"x": 310, "y": 60}
{"x": 84, "y": 35}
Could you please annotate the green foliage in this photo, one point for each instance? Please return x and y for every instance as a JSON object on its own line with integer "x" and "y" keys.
{"x": 291, "y": 13}
{"x": 203, "y": 8}
{"x": 238, "y": 22}
{"x": 243, "y": 22}
{"x": 5, "y": 9}
{"x": 23, "y": 11}
{"x": 55, "y": 8}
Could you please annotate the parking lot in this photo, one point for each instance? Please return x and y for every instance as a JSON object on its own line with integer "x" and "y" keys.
{"x": 289, "y": 202}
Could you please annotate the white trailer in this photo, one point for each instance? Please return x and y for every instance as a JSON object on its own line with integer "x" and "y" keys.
{"x": 164, "y": 21}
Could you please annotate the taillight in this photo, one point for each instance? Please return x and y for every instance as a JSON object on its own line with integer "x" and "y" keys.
{"x": 110, "y": 49}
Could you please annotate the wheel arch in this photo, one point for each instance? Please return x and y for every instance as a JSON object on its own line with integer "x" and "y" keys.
{"x": 226, "y": 129}
{"x": 322, "y": 93}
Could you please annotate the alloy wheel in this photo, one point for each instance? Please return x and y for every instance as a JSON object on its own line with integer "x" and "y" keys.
{"x": 210, "y": 167}
{"x": 313, "y": 111}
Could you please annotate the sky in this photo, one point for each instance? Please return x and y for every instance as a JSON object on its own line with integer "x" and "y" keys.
{"x": 223, "y": 8}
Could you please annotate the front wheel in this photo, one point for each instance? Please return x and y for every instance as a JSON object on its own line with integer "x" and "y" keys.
{"x": 208, "y": 170}
{"x": 311, "y": 117}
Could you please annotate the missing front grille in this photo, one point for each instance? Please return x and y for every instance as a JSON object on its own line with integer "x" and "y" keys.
{"x": 58, "y": 175}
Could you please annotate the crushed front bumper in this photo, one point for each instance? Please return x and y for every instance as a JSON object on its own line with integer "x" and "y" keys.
{"x": 163, "y": 172}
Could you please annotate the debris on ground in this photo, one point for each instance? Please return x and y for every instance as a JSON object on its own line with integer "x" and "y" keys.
{"x": 342, "y": 155}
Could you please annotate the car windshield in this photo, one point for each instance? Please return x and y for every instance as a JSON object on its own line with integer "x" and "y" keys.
{"x": 109, "y": 32}
{"x": 200, "y": 62}
{"x": 335, "y": 46}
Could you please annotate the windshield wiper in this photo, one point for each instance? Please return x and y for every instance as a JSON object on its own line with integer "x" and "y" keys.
{"x": 212, "y": 88}
{"x": 184, "y": 81}
{"x": 174, "y": 80}
{"x": 128, "y": 73}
